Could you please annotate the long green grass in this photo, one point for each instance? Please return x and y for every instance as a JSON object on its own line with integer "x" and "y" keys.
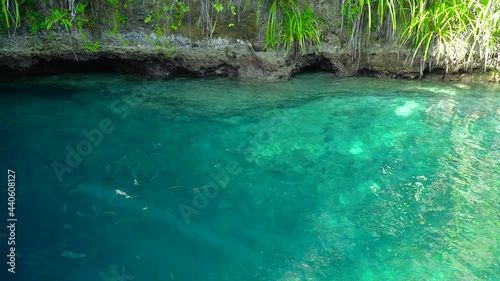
{"x": 10, "y": 13}
{"x": 290, "y": 27}
{"x": 446, "y": 33}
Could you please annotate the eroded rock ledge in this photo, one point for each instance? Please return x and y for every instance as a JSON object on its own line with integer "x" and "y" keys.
{"x": 20, "y": 56}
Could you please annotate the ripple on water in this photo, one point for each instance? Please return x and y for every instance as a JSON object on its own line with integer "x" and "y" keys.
{"x": 319, "y": 178}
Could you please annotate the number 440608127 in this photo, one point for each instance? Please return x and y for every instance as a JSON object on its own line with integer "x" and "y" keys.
{"x": 11, "y": 183}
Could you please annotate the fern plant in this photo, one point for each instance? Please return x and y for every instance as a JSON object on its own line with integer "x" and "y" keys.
{"x": 60, "y": 17}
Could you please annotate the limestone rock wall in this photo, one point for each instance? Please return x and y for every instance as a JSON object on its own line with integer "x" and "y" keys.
{"x": 235, "y": 48}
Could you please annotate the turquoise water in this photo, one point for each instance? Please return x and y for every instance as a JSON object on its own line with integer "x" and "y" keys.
{"x": 316, "y": 178}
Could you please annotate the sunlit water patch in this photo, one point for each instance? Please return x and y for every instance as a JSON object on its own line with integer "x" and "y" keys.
{"x": 316, "y": 178}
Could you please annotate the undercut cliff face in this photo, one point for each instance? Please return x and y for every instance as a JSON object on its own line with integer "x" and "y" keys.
{"x": 233, "y": 47}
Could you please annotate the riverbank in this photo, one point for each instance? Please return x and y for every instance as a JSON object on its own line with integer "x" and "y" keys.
{"x": 28, "y": 55}
{"x": 199, "y": 39}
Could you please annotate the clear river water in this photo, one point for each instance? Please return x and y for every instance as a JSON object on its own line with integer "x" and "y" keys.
{"x": 119, "y": 178}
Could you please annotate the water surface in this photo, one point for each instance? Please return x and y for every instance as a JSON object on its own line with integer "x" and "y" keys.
{"x": 316, "y": 178}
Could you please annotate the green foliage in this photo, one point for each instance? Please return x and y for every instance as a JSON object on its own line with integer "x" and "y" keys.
{"x": 442, "y": 24}
{"x": 116, "y": 18}
{"x": 364, "y": 16}
{"x": 485, "y": 29}
{"x": 179, "y": 10}
{"x": 165, "y": 19}
{"x": 446, "y": 33}
{"x": 34, "y": 21}
{"x": 80, "y": 18}
{"x": 232, "y": 9}
{"x": 441, "y": 32}
{"x": 388, "y": 11}
{"x": 60, "y": 17}
{"x": 167, "y": 49}
{"x": 294, "y": 26}
{"x": 163, "y": 46}
{"x": 5, "y": 13}
{"x": 94, "y": 47}
{"x": 11, "y": 13}
{"x": 122, "y": 40}
{"x": 218, "y": 7}
{"x": 81, "y": 22}
{"x": 308, "y": 29}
